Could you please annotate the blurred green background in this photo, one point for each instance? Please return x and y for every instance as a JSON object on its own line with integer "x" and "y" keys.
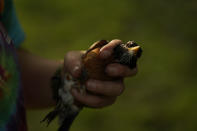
{"x": 163, "y": 96}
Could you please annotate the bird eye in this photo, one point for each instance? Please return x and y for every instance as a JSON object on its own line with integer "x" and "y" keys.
{"x": 131, "y": 44}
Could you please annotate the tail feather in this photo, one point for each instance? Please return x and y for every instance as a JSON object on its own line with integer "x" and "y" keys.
{"x": 50, "y": 116}
{"x": 67, "y": 122}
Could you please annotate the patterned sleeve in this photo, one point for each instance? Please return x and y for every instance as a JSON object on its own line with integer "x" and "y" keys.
{"x": 11, "y": 23}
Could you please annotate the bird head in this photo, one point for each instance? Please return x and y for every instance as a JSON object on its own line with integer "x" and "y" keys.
{"x": 128, "y": 54}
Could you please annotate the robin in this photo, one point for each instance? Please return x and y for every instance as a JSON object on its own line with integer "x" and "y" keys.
{"x": 94, "y": 67}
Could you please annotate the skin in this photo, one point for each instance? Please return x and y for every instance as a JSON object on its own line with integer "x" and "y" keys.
{"x": 37, "y": 72}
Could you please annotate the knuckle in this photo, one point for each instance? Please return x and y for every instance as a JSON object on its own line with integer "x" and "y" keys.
{"x": 68, "y": 54}
{"x": 68, "y": 58}
{"x": 117, "y": 40}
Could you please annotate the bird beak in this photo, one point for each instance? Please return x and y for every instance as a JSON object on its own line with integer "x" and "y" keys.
{"x": 134, "y": 49}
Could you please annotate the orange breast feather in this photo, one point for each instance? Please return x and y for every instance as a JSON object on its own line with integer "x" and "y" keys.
{"x": 95, "y": 66}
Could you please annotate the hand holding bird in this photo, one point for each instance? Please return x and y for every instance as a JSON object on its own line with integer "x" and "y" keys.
{"x": 104, "y": 74}
{"x": 94, "y": 78}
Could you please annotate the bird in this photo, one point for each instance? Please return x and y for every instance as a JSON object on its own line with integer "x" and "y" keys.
{"x": 92, "y": 67}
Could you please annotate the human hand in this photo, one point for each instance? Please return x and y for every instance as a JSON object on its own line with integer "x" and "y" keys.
{"x": 99, "y": 93}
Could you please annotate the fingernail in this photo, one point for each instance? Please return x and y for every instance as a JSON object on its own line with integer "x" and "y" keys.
{"x": 105, "y": 54}
{"x": 76, "y": 71}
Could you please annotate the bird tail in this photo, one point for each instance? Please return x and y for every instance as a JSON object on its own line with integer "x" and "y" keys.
{"x": 51, "y": 115}
{"x": 65, "y": 125}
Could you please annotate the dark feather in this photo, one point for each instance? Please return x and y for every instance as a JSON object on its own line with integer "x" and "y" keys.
{"x": 52, "y": 115}
{"x": 67, "y": 122}
{"x": 122, "y": 55}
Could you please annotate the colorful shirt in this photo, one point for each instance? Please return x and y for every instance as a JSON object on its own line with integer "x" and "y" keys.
{"x": 12, "y": 111}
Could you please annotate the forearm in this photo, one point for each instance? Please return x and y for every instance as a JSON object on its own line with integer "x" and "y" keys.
{"x": 36, "y": 73}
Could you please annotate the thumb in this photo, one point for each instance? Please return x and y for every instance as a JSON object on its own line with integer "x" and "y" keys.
{"x": 72, "y": 63}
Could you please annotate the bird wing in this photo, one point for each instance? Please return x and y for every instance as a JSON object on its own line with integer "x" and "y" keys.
{"x": 97, "y": 44}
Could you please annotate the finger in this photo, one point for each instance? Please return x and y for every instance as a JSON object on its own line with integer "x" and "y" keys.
{"x": 92, "y": 100}
{"x": 118, "y": 70}
{"x": 72, "y": 63}
{"x": 107, "y": 50}
{"x": 98, "y": 44}
{"x": 105, "y": 88}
